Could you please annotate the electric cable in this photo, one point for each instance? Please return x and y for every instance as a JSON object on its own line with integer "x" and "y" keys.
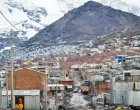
{"x": 9, "y": 21}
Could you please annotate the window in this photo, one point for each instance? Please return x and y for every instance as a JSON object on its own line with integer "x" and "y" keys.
{"x": 127, "y": 74}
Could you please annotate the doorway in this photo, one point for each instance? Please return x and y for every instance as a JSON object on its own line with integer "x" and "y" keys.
{"x": 19, "y": 100}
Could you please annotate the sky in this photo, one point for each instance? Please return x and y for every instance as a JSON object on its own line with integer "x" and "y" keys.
{"x": 134, "y": 2}
{"x": 54, "y": 10}
{"x": 42, "y": 2}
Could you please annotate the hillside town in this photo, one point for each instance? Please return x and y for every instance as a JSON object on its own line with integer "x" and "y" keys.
{"x": 69, "y": 55}
{"x": 102, "y": 78}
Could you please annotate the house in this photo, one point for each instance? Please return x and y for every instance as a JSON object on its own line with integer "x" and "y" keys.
{"x": 59, "y": 58}
{"x": 2, "y": 72}
{"x": 28, "y": 85}
{"x": 27, "y": 79}
{"x": 42, "y": 69}
{"x": 101, "y": 47}
{"x": 54, "y": 73}
{"x": 51, "y": 88}
{"x": 28, "y": 98}
{"x": 135, "y": 43}
{"x": 126, "y": 93}
{"x": 2, "y": 77}
{"x": 68, "y": 84}
{"x": 75, "y": 67}
{"x": 135, "y": 60}
{"x": 39, "y": 68}
{"x": 102, "y": 86}
{"x": 120, "y": 58}
{"x": 113, "y": 64}
{"x": 89, "y": 66}
{"x": 96, "y": 78}
{"x": 132, "y": 75}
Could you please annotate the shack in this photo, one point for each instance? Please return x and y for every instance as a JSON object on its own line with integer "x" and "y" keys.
{"x": 120, "y": 58}
{"x": 30, "y": 99}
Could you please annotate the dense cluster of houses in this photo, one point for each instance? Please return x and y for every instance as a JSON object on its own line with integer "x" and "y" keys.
{"x": 36, "y": 78}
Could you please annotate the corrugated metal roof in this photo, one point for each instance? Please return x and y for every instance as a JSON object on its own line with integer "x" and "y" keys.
{"x": 53, "y": 85}
{"x": 136, "y": 56}
{"x": 22, "y": 92}
{"x": 135, "y": 72}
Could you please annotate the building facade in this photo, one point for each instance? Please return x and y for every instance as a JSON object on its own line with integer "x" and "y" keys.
{"x": 27, "y": 79}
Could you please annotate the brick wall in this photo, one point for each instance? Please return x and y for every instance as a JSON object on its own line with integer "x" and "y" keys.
{"x": 26, "y": 79}
{"x": 26, "y": 82}
{"x": 102, "y": 86}
{"x": 66, "y": 82}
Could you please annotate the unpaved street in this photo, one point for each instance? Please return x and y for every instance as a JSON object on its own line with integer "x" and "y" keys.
{"x": 77, "y": 101}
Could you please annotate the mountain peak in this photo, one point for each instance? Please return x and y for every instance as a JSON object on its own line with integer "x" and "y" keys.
{"x": 90, "y": 5}
{"x": 93, "y": 4}
{"x": 84, "y": 23}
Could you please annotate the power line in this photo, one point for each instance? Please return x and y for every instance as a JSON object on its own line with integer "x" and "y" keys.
{"x": 8, "y": 21}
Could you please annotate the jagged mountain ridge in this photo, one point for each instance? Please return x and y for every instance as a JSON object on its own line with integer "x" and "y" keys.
{"x": 83, "y": 24}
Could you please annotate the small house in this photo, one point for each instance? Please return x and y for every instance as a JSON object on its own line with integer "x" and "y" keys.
{"x": 120, "y": 58}
{"x": 30, "y": 99}
{"x": 52, "y": 88}
{"x": 132, "y": 75}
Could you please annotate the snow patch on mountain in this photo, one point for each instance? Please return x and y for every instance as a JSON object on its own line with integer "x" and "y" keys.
{"x": 17, "y": 11}
{"x": 57, "y": 8}
{"x": 41, "y": 13}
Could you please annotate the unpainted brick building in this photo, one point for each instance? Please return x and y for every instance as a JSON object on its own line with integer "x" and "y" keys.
{"x": 27, "y": 79}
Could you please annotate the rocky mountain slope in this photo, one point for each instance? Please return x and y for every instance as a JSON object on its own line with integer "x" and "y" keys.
{"x": 128, "y": 34}
{"x": 40, "y": 13}
{"x": 78, "y": 21}
{"x": 82, "y": 24}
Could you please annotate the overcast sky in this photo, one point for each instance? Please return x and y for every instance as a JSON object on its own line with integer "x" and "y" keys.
{"x": 43, "y": 2}
{"x": 135, "y": 2}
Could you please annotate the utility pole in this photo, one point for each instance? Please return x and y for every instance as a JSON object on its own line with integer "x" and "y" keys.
{"x": 112, "y": 88}
{"x": 6, "y": 81}
{"x": 12, "y": 68}
{"x": 56, "y": 94}
{"x": 0, "y": 95}
{"x": 11, "y": 56}
{"x": 7, "y": 88}
{"x": 46, "y": 89}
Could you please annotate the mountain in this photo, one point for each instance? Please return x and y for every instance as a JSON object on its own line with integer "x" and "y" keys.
{"x": 131, "y": 33}
{"x": 61, "y": 7}
{"x": 17, "y": 11}
{"x": 82, "y": 24}
{"x": 40, "y": 13}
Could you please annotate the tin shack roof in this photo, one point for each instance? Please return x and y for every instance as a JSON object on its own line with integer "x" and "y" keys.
{"x": 22, "y": 92}
{"x": 54, "y": 85}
